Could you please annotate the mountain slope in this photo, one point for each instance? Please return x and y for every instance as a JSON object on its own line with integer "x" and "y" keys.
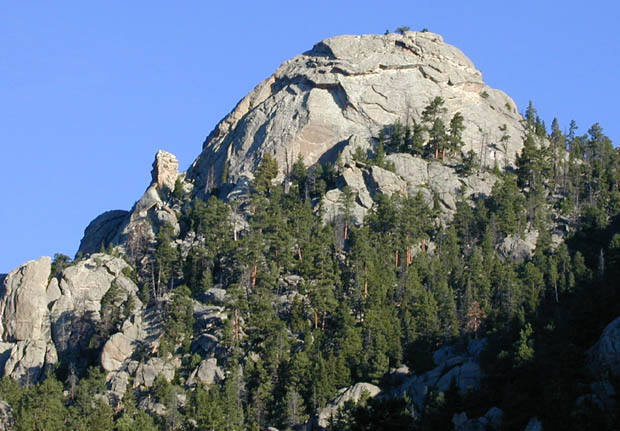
{"x": 350, "y": 87}
{"x": 328, "y": 262}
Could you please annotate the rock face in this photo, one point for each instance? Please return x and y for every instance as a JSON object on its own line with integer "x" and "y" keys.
{"x": 207, "y": 373}
{"x": 101, "y": 231}
{"x": 42, "y": 318}
{"x": 411, "y": 175}
{"x": 353, "y": 393}
{"x": 453, "y": 366}
{"x": 6, "y": 416}
{"x": 604, "y": 356}
{"x": 518, "y": 248}
{"x": 140, "y": 225}
{"x": 23, "y": 305}
{"x": 27, "y": 360}
{"x": 147, "y": 372}
{"x": 165, "y": 171}
{"x": 342, "y": 92}
{"x": 141, "y": 330}
{"x": 26, "y": 346}
{"x": 83, "y": 287}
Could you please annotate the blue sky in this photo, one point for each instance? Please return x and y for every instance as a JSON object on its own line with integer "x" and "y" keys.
{"x": 91, "y": 90}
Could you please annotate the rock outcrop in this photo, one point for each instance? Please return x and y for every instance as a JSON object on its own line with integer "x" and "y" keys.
{"x": 148, "y": 371}
{"x": 342, "y": 93}
{"x": 137, "y": 227}
{"x": 7, "y": 419}
{"x": 353, "y": 393}
{"x": 142, "y": 330}
{"x": 165, "y": 171}
{"x": 83, "y": 285}
{"x": 207, "y": 373}
{"x": 603, "y": 360}
{"x": 26, "y": 346}
{"x": 411, "y": 175}
{"x": 101, "y": 231}
{"x": 458, "y": 368}
{"x": 23, "y": 305}
{"x": 518, "y": 248}
{"x": 604, "y": 356}
{"x": 45, "y": 318}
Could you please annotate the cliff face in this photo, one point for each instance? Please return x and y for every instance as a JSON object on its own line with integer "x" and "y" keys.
{"x": 345, "y": 90}
{"x": 324, "y": 104}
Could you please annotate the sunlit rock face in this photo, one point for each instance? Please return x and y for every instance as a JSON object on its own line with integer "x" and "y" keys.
{"x": 344, "y": 90}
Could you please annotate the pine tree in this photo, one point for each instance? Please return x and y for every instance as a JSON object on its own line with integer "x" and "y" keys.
{"x": 455, "y": 135}
{"x": 437, "y": 138}
{"x": 267, "y": 171}
{"x": 167, "y": 257}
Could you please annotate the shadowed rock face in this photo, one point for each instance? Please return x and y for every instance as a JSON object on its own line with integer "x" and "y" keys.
{"x": 604, "y": 356}
{"x": 101, "y": 231}
{"x": 350, "y": 87}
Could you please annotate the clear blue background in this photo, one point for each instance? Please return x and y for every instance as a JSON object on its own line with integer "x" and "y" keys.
{"x": 89, "y": 92}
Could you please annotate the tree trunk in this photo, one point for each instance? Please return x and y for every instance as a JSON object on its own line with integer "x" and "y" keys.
{"x": 254, "y": 272}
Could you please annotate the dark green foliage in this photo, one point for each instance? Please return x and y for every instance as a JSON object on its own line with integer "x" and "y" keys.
{"x": 179, "y": 322}
{"x": 59, "y": 263}
{"x": 313, "y": 307}
{"x": 388, "y": 414}
{"x": 167, "y": 257}
{"x": 265, "y": 174}
{"x": 178, "y": 191}
{"x": 443, "y": 141}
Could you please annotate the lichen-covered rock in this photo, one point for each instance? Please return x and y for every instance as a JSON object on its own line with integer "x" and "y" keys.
{"x": 353, "y": 393}
{"x": 342, "y": 92}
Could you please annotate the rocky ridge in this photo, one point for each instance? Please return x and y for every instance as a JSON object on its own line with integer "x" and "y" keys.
{"x": 322, "y": 105}
{"x": 141, "y": 223}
